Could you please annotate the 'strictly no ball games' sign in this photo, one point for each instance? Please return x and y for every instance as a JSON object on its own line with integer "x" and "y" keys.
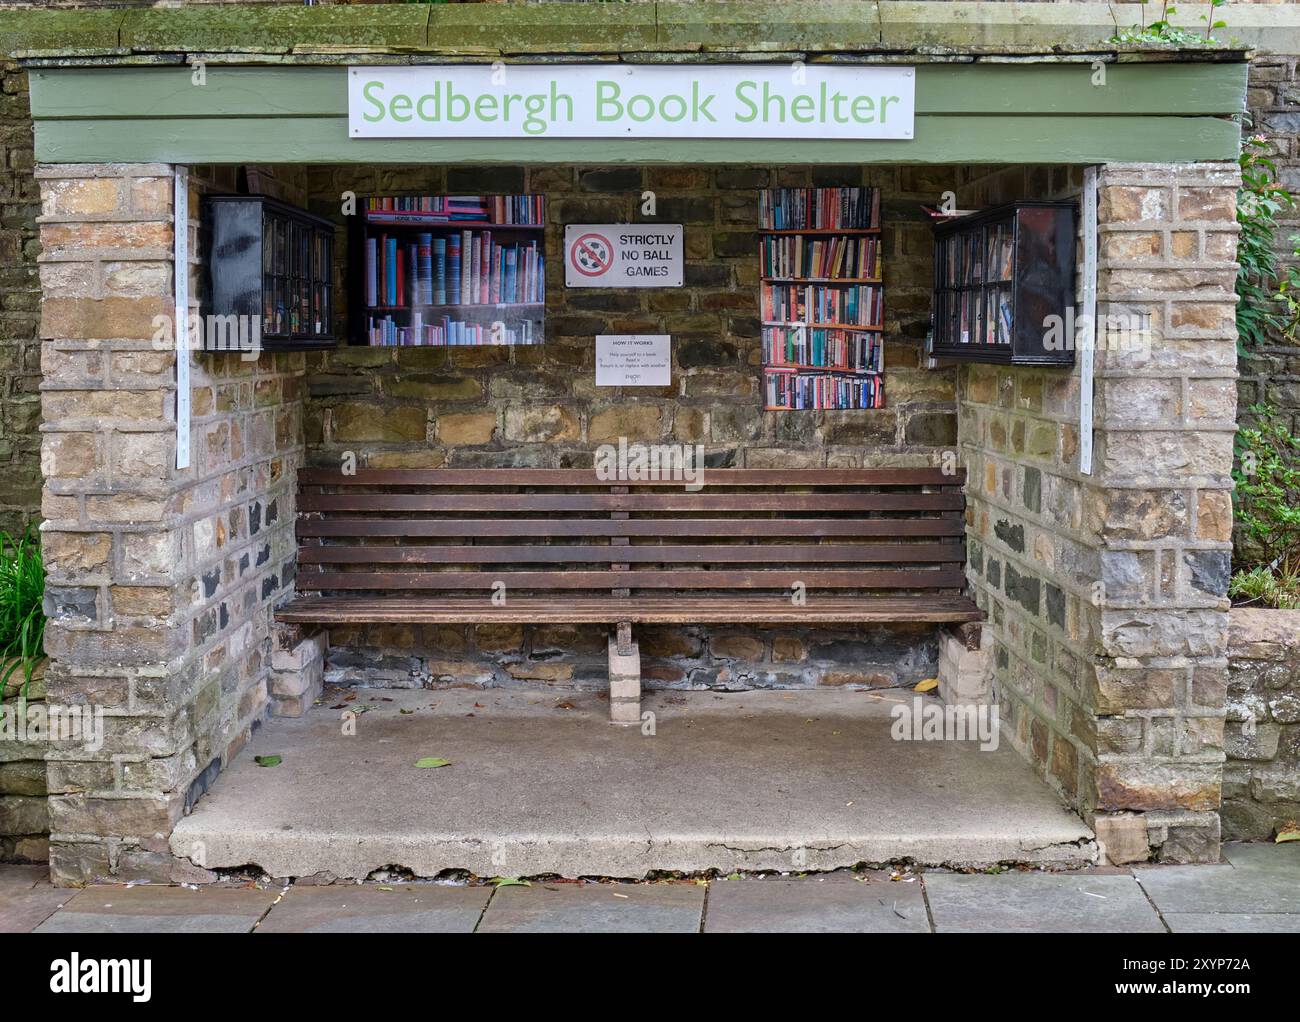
{"x": 623, "y": 255}
{"x": 631, "y": 101}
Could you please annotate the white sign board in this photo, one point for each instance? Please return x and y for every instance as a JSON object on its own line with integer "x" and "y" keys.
{"x": 633, "y": 360}
{"x": 623, "y": 255}
{"x": 632, "y": 101}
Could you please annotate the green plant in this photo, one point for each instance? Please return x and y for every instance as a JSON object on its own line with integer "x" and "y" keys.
{"x": 1259, "y": 203}
{"x": 1280, "y": 589}
{"x": 1267, "y": 495}
{"x": 1163, "y": 32}
{"x": 22, "y": 620}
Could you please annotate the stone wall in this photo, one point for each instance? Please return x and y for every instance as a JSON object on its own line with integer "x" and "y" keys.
{"x": 20, "y": 353}
{"x": 539, "y": 406}
{"x": 1107, "y": 591}
{"x": 160, "y": 579}
{"x": 1261, "y": 781}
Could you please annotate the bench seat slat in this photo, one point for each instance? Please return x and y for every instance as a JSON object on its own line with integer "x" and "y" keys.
{"x": 772, "y": 609}
{"x": 469, "y": 528}
{"x": 581, "y": 553}
{"x": 942, "y": 578}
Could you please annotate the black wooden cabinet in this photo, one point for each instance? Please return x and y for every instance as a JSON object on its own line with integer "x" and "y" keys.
{"x": 270, "y": 265}
{"x": 1004, "y": 285}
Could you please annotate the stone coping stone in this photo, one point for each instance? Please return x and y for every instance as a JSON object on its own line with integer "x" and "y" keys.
{"x": 639, "y": 30}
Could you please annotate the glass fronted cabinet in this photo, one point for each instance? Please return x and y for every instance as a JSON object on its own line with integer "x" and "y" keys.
{"x": 270, "y": 266}
{"x": 1004, "y": 285}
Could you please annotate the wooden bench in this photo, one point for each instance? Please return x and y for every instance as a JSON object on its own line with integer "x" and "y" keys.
{"x": 754, "y": 546}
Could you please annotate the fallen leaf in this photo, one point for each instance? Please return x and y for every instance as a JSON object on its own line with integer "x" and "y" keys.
{"x": 1289, "y": 831}
{"x": 509, "y": 882}
{"x": 926, "y": 685}
{"x": 430, "y": 762}
{"x": 267, "y": 761}
{"x": 385, "y": 888}
{"x": 405, "y": 711}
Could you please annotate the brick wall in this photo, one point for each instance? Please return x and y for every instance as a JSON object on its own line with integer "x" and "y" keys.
{"x": 539, "y": 406}
{"x": 1107, "y": 592}
{"x": 159, "y": 579}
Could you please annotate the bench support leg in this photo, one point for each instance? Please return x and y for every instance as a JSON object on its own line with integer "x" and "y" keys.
{"x": 624, "y": 677}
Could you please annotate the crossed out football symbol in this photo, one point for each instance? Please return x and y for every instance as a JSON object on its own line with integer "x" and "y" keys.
{"x": 592, "y": 255}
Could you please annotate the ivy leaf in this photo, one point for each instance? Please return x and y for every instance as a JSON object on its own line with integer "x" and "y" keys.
{"x": 432, "y": 762}
{"x": 267, "y": 761}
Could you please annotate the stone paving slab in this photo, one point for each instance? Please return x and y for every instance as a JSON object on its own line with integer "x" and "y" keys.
{"x": 1233, "y": 922}
{"x": 1220, "y": 889}
{"x": 149, "y": 909}
{"x": 595, "y": 908}
{"x": 21, "y": 911}
{"x": 814, "y": 905}
{"x": 18, "y": 876}
{"x": 376, "y": 908}
{"x": 1039, "y": 903}
{"x": 1265, "y": 857}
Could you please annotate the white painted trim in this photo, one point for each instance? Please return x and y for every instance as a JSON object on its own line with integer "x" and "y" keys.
{"x": 180, "y": 327}
{"x": 1086, "y": 338}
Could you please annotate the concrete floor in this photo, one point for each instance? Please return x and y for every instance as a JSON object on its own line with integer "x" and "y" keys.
{"x": 540, "y": 783}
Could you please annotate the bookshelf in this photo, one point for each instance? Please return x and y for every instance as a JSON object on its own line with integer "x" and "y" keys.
{"x": 449, "y": 270}
{"x": 999, "y": 275}
{"x": 271, "y": 267}
{"x": 821, "y": 298}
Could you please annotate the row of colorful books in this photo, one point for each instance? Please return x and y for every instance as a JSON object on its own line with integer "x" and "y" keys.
{"x": 847, "y": 350}
{"x": 789, "y": 389}
{"x": 968, "y": 261}
{"x": 796, "y": 255}
{"x": 856, "y": 305}
{"x": 978, "y": 316}
{"x": 463, "y": 268}
{"x": 517, "y": 210}
{"x": 447, "y": 332}
{"x": 784, "y": 209}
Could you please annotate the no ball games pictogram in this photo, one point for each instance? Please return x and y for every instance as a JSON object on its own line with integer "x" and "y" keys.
{"x": 592, "y": 255}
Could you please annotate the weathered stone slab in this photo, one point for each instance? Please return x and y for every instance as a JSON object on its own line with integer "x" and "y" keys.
{"x": 839, "y": 904}
{"x": 372, "y": 908}
{"x": 1039, "y": 903}
{"x": 595, "y": 908}
{"x": 147, "y": 909}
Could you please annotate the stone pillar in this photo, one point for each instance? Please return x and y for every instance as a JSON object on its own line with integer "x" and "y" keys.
{"x": 1161, "y": 502}
{"x": 1106, "y": 591}
{"x": 159, "y": 578}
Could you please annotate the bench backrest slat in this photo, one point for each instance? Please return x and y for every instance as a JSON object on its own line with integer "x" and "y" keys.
{"x": 442, "y": 531}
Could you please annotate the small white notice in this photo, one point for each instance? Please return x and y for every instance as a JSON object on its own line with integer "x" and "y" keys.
{"x": 633, "y": 360}
{"x": 623, "y": 255}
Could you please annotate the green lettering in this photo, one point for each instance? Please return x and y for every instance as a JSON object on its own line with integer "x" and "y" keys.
{"x": 378, "y": 103}
{"x": 698, "y": 108}
{"x": 741, "y": 88}
{"x": 884, "y": 106}
{"x": 867, "y": 113}
{"x": 400, "y": 107}
{"x": 801, "y": 108}
{"x": 485, "y": 107}
{"x": 607, "y": 94}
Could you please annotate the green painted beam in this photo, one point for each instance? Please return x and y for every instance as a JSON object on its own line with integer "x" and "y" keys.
{"x": 939, "y": 139}
{"x": 971, "y": 89}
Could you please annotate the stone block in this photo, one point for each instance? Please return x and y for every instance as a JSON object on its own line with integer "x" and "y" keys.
{"x": 966, "y": 675}
{"x": 624, "y": 684}
{"x": 1123, "y": 837}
